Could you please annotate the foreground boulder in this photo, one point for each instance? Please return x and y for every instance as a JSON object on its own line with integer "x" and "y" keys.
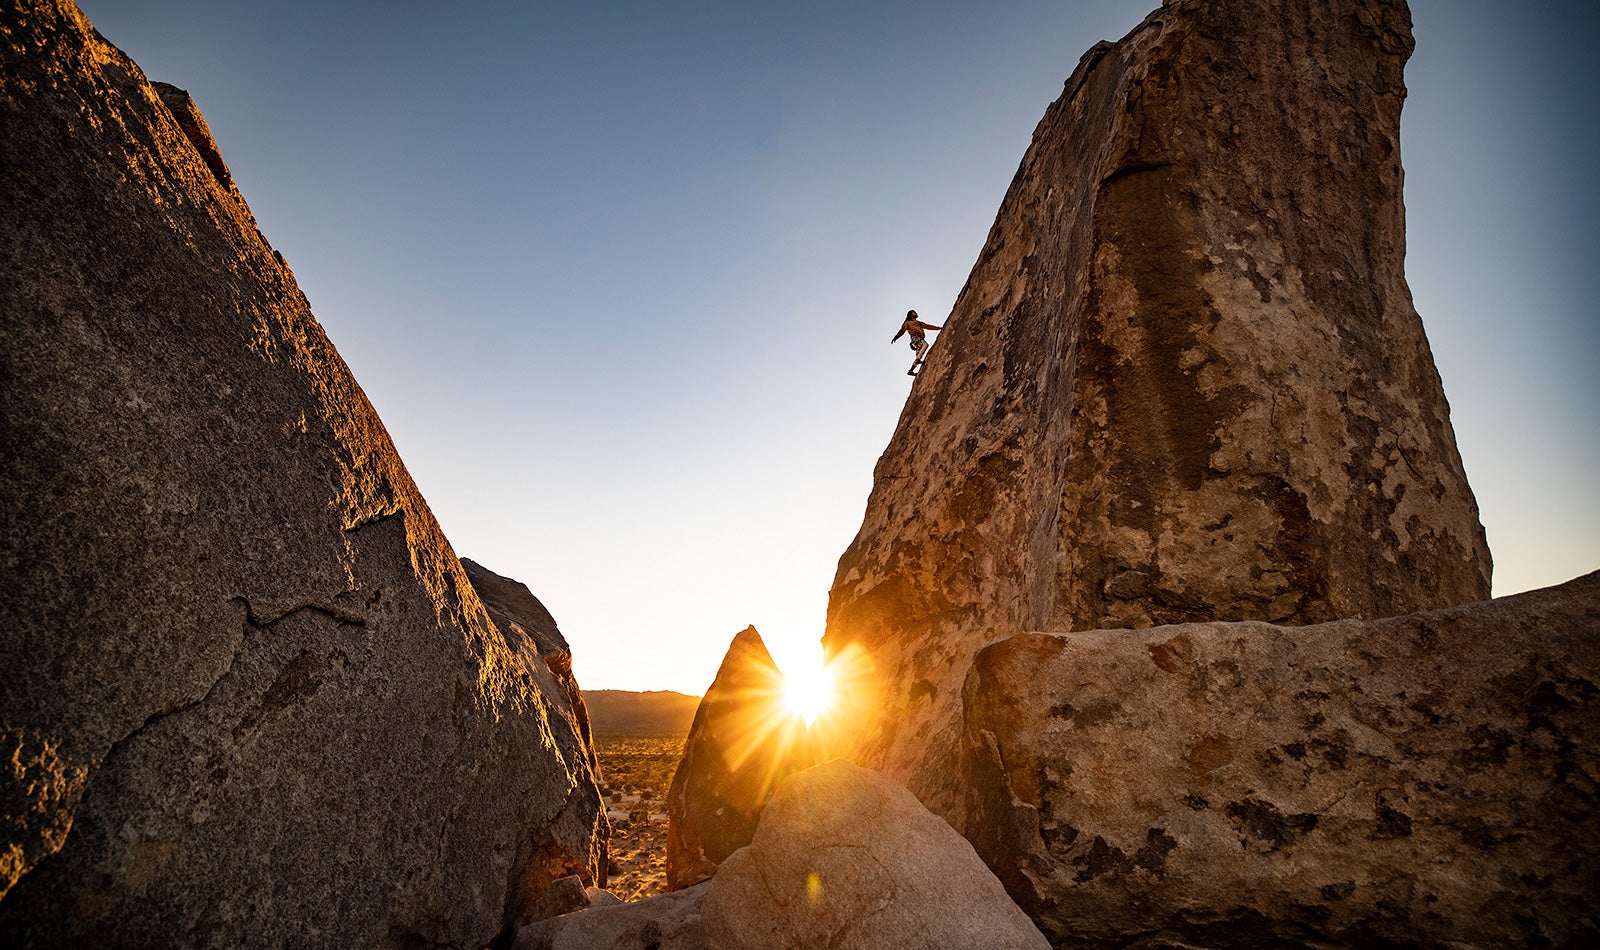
{"x": 845, "y": 858}
{"x": 1185, "y": 380}
{"x": 1428, "y": 780}
{"x": 249, "y": 695}
{"x": 841, "y": 857}
{"x": 743, "y": 742}
{"x": 665, "y": 922}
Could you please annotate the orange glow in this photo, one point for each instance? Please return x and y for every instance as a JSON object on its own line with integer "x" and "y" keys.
{"x": 783, "y": 722}
{"x": 808, "y": 691}
{"x": 771, "y": 724}
{"x": 837, "y": 693}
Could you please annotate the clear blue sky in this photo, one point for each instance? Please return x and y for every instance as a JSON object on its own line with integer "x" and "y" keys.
{"x": 620, "y": 277}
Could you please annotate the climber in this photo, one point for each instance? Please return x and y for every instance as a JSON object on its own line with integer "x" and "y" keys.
{"x": 919, "y": 339}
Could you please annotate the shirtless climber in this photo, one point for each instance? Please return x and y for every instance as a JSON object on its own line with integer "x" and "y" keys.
{"x": 919, "y": 339}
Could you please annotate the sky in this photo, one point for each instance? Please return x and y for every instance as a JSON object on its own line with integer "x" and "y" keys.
{"x": 620, "y": 277}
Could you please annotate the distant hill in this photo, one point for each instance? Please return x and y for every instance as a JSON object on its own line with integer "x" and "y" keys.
{"x": 654, "y": 712}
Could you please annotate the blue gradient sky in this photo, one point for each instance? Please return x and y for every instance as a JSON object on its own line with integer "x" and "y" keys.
{"x": 620, "y": 277}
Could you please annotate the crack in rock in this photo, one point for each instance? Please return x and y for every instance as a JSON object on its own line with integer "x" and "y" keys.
{"x": 322, "y": 607}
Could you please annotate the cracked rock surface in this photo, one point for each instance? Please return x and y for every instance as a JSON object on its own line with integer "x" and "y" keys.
{"x": 846, "y": 858}
{"x": 1428, "y": 780}
{"x": 1184, "y": 382}
{"x": 248, "y": 690}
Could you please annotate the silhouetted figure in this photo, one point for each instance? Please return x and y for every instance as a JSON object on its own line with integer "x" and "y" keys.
{"x": 919, "y": 338}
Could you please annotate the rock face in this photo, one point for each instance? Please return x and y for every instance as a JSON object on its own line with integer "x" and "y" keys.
{"x": 248, "y": 689}
{"x": 1428, "y": 780}
{"x": 528, "y": 627}
{"x": 846, "y": 858}
{"x": 1185, "y": 380}
{"x": 742, "y": 744}
{"x": 195, "y": 128}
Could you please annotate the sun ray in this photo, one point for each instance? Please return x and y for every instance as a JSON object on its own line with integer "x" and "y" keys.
{"x": 808, "y": 691}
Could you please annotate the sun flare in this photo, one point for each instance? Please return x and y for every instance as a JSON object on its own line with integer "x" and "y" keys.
{"x": 808, "y": 691}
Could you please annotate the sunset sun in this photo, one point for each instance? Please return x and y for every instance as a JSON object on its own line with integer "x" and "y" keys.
{"x": 808, "y": 691}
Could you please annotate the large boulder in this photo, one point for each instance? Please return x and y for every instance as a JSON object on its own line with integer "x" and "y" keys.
{"x": 1185, "y": 380}
{"x": 525, "y": 623}
{"x": 1427, "y": 780}
{"x": 249, "y": 694}
{"x": 743, "y": 742}
{"x": 848, "y": 859}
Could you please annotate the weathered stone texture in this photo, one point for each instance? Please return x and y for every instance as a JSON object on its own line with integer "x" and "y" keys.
{"x": 565, "y": 896}
{"x": 1184, "y": 381}
{"x": 530, "y": 629}
{"x": 249, "y": 695}
{"x": 743, "y": 742}
{"x": 1427, "y": 780}
{"x": 195, "y": 128}
{"x": 847, "y": 859}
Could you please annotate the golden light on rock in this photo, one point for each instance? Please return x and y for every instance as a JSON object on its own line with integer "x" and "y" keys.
{"x": 756, "y": 726}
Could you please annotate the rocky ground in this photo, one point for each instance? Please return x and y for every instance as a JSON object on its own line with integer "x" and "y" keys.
{"x": 636, "y": 772}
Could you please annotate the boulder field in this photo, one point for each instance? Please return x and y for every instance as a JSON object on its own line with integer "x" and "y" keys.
{"x": 1167, "y": 619}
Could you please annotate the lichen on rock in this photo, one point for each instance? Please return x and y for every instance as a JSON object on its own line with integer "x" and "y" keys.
{"x": 1426, "y": 780}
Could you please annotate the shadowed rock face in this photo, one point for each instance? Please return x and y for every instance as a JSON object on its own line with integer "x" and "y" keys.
{"x": 1184, "y": 381}
{"x": 249, "y": 693}
{"x": 742, "y": 744}
{"x": 1428, "y": 780}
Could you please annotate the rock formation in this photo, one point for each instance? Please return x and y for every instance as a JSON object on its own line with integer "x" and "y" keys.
{"x": 840, "y": 857}
{"x": 845, "y": 858}
{"x": 742, "y": 744}
{"x": 567, "y": 896}
{"x": 668, "y": 921}
{"x": 249, "y": 693}
{"x": 1428, "y": 780}
{"x": 529, "y": 629}
{"x": 1184, "y": 381}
